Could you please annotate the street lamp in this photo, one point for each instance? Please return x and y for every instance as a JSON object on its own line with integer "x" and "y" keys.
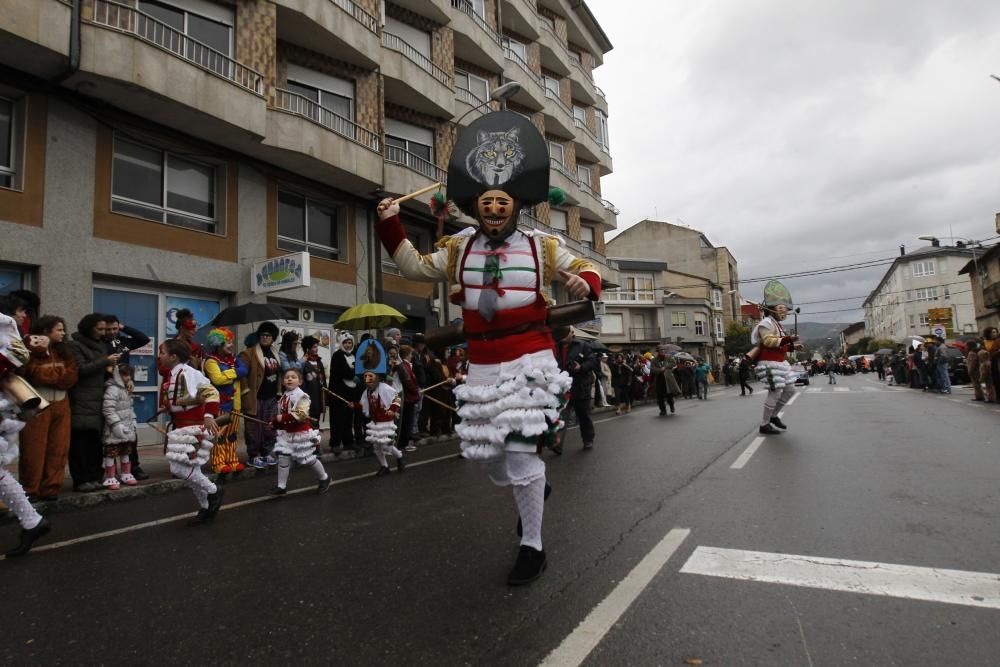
{"x": 499, "y": 94}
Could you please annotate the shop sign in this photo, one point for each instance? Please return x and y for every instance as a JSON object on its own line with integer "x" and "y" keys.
{"x": 280, "y": 273}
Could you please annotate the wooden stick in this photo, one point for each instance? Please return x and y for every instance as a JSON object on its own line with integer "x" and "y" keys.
{"x": 441, "y": 403}
{"x": 249, "y": 418}
{"x": 435, "y": 386}
{"x": 432, "y": 186}
{"x": 335, "y": 395}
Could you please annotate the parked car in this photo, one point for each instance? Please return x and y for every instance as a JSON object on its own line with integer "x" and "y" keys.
{"x": 801, "y": 374}
{"x": 957, "y": 370}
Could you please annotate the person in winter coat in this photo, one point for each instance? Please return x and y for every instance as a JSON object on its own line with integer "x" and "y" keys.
{"x": 260, "y": 395}
{"x": 662, "y": 370}
{"x": 576, "y": 358}
{"x": 313, "y": 377}
{"x": 86, "y": 452}
{"x": 743, "y": 373}
{"x": 45, "y": 438}
{"x": 119, "y": 435}
{"x": 989, "y": 363}
{"x": 227, "y": 373}
{"x": 347, "y": 427}
{"x": 621, "y": 379}
{"x": 972, "y": 363}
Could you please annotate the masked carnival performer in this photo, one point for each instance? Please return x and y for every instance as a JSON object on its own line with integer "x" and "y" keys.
{"x": 297, "y": 438}
{"x": 773, "y": 344}
{"x": 13, "y": 354}
{"x": 226, "y": 371}
{"x": 193, "y": 403}
{"x": 381, "y": 406}
{"x": 497, "y": 273}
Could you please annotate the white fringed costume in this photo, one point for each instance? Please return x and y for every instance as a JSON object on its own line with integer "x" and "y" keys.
{"x": 772, "y": 368}
{"x": 381, "y": 408}
{"x": 296, "y": 438}
{"x": 11, "y": 492}
{"x": 188, "y": 449}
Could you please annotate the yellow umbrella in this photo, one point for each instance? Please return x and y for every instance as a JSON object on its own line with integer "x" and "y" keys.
{"x": 369, "y": 316}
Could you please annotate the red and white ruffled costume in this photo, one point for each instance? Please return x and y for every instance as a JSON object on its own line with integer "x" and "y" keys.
{"x": 382, "y": 408}
{"x": 296, "y": 438}
{"x": 190, "y": 396}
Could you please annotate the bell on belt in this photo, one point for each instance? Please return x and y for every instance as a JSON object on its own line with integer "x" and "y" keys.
{"x": 24, "y": 395}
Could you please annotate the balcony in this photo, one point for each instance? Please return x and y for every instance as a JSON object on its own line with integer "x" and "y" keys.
{"x": 602, "y": 100}
{"x": 558, "y": 116}
{"x": 562, "y": 178}
{"x": 611, "y": 214}
{"x": 607, "y": 166}
{"x": 591, "y": 205}
{"x": 528, "y": 221}
{"x": 520, "y": 16}
{"x": 136, "y": 63}
{"x": 340, "y": 29}
{"x": 470, "y": 106}
{"x": 412, "y": 80}
{"x": 308, "y": 139}
{"x": 555, "y": 53}
{"x": 435, "y": 10}
{"x": 406, "y": 172}
{"x": 582, "y": 83}
{"x": 642, "y": 297}
{"x": 475, "y": 40}
{"x": 532, "y": 92}
{"x": 587, "y": 145}
{"x": 34, "y": 36}
{"x": 644, "y": 334}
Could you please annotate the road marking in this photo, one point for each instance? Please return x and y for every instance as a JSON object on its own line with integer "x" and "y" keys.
{"x": 575, "y": 648}
{"x": 794, "y": 398}
{"x": 841, "y": 388}
{"x": 813, "y": 390}
{"x": 230, "y": 506}
{"x": 955, "y": 400}
{"x": 975, "y": 589}
{"x": 747, "y": 453}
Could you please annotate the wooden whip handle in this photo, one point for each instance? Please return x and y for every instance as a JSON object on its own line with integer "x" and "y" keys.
{"x": 432, "y": 186}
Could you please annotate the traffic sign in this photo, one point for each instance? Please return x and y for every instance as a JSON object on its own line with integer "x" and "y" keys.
{"x": 939, "y": 330}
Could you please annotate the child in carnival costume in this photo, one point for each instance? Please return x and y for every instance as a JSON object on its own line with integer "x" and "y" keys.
{"x": 297, "y": 438}
{"x": 775, "y": 344}
{"x": 14, "y": 354}
{"x": 381, "y": 405}
{"x": 497, "y": 274}
{"x": 193, "y": 403}
{"x": 225, "y": 370}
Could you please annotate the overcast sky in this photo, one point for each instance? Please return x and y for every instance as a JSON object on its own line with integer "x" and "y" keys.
{"x": 803, "y": 134}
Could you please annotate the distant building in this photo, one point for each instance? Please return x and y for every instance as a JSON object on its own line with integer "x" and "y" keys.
{"x": 984, "y": 281}
{"x": 750, "y": 314}
{"x": 851, "y": 335}
{"x": 917, "y": 282}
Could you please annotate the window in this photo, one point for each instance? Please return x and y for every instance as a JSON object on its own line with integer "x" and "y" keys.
{"x": 575, "y": 57}
{"x": 557, "y": 219}
{"x": 478, "y": 86}
{"x": 479, "y": 7}
{"x": 583, "y": 175}
{"x": 209, "y": 25}
{"x": 7, "y": 153}
{"x": 717, "y": 299}
{"x": 549, "y": 21}
{"x": 602, "y": 129}
{"x": 419, "y": 40}
{"x": 611, "y": 323}
{"x": 924, "y": 268}
{"x": 580, "y": 114}
{"x": 557, "y": 152}
{"x": 912, "y": 325}
{"x": 157, "y": 185}
{"x": 678, "y": 319}
{"x": 699, "y": 327}
{"x": 587, "y": 236}
{"x": 306, "y": 224}
{"x": 517, "y": 49}
{"x": 636, "y": 288}
{"x": 924, "y": 319}
{"x": 551, "y": 84}
{"x": 420, "y": 239}
{"x": 925, "y": 294}
{"x": 410, "y": 145}
{"x": 719, "y": 331}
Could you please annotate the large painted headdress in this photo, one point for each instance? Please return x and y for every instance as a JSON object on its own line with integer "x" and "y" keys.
{"x": 371, "y": 357}
{"x": 776, "y": 294}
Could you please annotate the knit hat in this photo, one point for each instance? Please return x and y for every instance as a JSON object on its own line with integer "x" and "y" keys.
{"x": 308, "y": 342}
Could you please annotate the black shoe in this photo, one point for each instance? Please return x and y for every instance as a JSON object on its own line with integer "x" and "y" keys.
{"x": 529, "y": 566}
{"x": 324, "y": 485}
{"x": 201, "y": 518}
{"x": 276, "y": 491}
{"x": 768, "y": 429}
{"x": 384, "y": 470}
{"x": 214, "y": 502}
{"x": 139, "y": 473}
{"x": 548, "y": 490}
{"x": 777, "y": 422}
{"x": 401, "y": 464}
{"x": 28, "y": 537}
{"x": 672, "y": 410}
{"x": 557, "y": 448}
{"x": 663, "y": 413}
{"x": 48, "y": 499}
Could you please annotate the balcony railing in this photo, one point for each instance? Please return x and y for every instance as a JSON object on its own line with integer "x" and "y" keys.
{"x": 561, "y": 168}
{"x": 586, "y": 187}
{"x": 528, "y": 220}
{"x": 397, "y": 155}
{"x": 644, "y": 333}
{"x": 630, "y": 296}
{"x": 466, "y": 7}
{"x": 519, "y": 61}
{"x": 395, "y": 43}
{"x": 471, "y": 99}
{"x": 123, "y": 18}
{"x": 554, "y": 96}
{"x": 589, "y": 76}
{"x": 611, "y": 207}
{"x": 359, "y": 14}
{"x": 345, "y": 127}
{"x": 582, "y": 125}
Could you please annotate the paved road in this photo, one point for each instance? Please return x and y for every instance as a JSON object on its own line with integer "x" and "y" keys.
{"x": 410, "y": 568}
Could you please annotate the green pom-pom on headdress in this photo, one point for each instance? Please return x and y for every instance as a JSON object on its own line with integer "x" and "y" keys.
{"x": 556, "y": 197}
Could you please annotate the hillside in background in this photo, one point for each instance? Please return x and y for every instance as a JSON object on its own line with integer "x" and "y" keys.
{"x": 814, "y": 334}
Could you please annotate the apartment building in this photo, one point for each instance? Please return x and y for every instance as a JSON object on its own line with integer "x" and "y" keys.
{"x": 984, "y": 281}
{"x": 698, "y": 272}
{"x": 157, "y": 153}
{"x": 916, "y": 287}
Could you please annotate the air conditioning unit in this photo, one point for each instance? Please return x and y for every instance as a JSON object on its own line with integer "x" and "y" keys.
{"x": 306, "y": 314}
